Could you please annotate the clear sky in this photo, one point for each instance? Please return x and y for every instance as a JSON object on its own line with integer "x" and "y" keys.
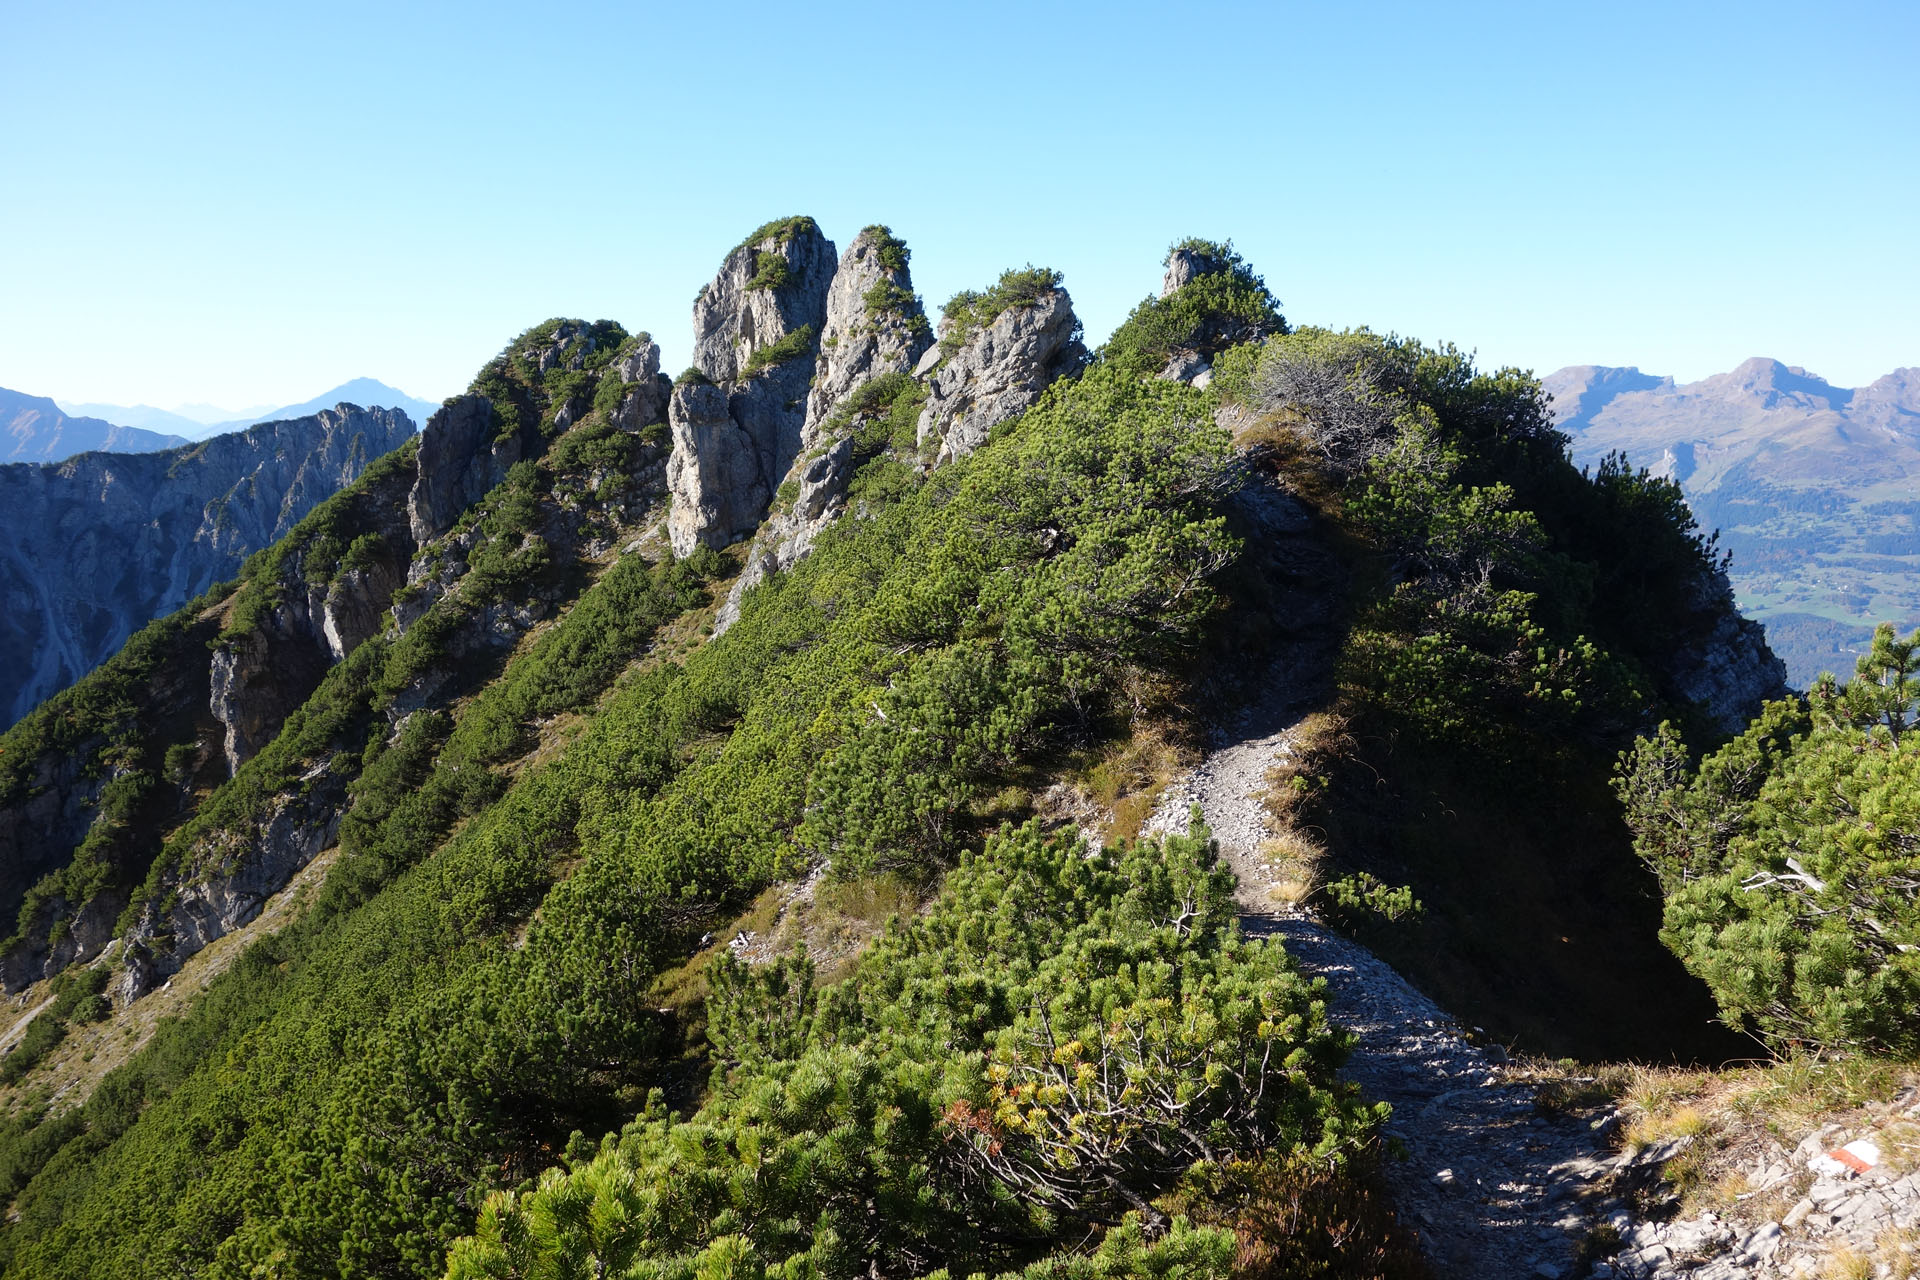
{"x": 249, "y": 203}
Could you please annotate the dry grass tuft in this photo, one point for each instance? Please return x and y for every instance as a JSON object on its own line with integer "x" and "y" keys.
{"x": 1124, "y": 783}
{"x": 1293, "y": 860}
{"x": 1317, "y": 741}
{"x": 1900, "y": 1146}
{"x": 1565, "y": 1087}
{"x": 1898, "y": 1249}
{"x": 1847, "y": 1264}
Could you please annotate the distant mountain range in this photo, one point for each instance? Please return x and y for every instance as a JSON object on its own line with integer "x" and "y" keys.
{"x": 33, "y": 429}
{"x": 198, "y": 421}
{"x": 93, "y": 548}
{"x": 1814, "y": 488}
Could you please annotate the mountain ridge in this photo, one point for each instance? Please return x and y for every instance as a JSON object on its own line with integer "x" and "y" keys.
{"x": 35, "y": 429}
{"x": 1811, "y": 486}
{"x": 820, "y": 915}
{"x": 94, "y": 547}
{"x": 369, "y": 392}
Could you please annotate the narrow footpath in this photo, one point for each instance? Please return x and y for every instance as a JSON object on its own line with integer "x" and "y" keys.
{"x": 1491, "y": 1186}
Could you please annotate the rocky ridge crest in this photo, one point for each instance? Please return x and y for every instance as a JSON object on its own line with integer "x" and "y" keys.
{"x": 94, "y": 547}
{"x": 986, "y": 375}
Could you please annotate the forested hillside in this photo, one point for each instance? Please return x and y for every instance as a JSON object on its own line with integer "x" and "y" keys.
{"x": 691, "y": 827}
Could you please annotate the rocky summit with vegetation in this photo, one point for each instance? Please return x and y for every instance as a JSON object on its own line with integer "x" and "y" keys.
{"x": 915, "y": 796}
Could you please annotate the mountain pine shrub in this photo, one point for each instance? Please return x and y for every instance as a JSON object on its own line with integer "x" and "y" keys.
{"x": 1789, "y": 859}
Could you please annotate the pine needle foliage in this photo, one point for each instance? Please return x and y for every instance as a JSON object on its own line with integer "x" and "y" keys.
{"x": 1048, "y": 1051}
{"x": 1790, "y": 859}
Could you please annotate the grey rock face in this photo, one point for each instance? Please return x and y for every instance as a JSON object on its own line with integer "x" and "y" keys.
{"x": 788, "y": 537}
{"x": 88, "y": 932}
{"x": 249, "y": 868}
{"x": 862, "y": 341}
{"x": 714, "y": 473}
{"x": 1725, "y": 667}
{"x": 999, "y": 371}
{"x": 731, "y": 441}
{"x": 259, "y": 678}
{"x": 733, "y": 317}
{"x": 874, "y": 326}
{"x": 356, "y": 606}
{"x": 644, "y": 402}
{"x": 459, "y": 462}
{"x": 1183, "y": 265}
{"x": 93, "y": 548}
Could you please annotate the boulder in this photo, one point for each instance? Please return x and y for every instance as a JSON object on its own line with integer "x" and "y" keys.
{"x": 997, "y": 372}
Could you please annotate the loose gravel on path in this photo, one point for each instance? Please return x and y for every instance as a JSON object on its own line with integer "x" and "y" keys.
{"x": 1491, "y": 1186}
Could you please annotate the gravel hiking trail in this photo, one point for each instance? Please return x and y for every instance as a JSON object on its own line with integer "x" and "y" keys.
{"x": 1491, "y": 1187}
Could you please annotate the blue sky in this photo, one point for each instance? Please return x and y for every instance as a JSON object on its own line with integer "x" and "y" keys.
{"x": 246, "y": 204}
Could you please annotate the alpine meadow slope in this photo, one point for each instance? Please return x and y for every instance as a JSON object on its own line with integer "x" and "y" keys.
{"x": 690, "y": 826}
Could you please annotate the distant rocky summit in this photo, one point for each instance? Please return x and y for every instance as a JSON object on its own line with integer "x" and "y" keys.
{"x": 33, "y": 429}
{"x": 1815, "y": 489}
{"x": 93, "y": 548}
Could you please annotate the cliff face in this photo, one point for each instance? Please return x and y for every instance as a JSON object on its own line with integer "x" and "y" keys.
{"x": 756, "y": 330}
{"x": 94, "y": 547}
{"x": 874, "y": 327}
{"x": 998, "y": 371}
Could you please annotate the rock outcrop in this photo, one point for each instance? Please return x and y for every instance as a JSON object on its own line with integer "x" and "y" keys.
{"x": 998, "y": 371}
{"x": 1185, "y": 265}
{"x": 257, "y": 679}
{"x": 874, "y": 323}
{"x": 770, "y": 286}
{"x": 715, "y": 472}
{"x": 94, "y": 548}
{"x": 757, "y": 330}
{"x": 201, "y": 907}
{"x": 874, "y": 326}
{"x": 322, "y": 610}
{"x": 1724, "y": 666}
{"x": 643, "y": 402}
{"x": 459, "y": 461}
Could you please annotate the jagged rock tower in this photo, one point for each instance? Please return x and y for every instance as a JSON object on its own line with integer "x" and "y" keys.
{"x": 737, "y": 423}
{"x": 784, "y": 336}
